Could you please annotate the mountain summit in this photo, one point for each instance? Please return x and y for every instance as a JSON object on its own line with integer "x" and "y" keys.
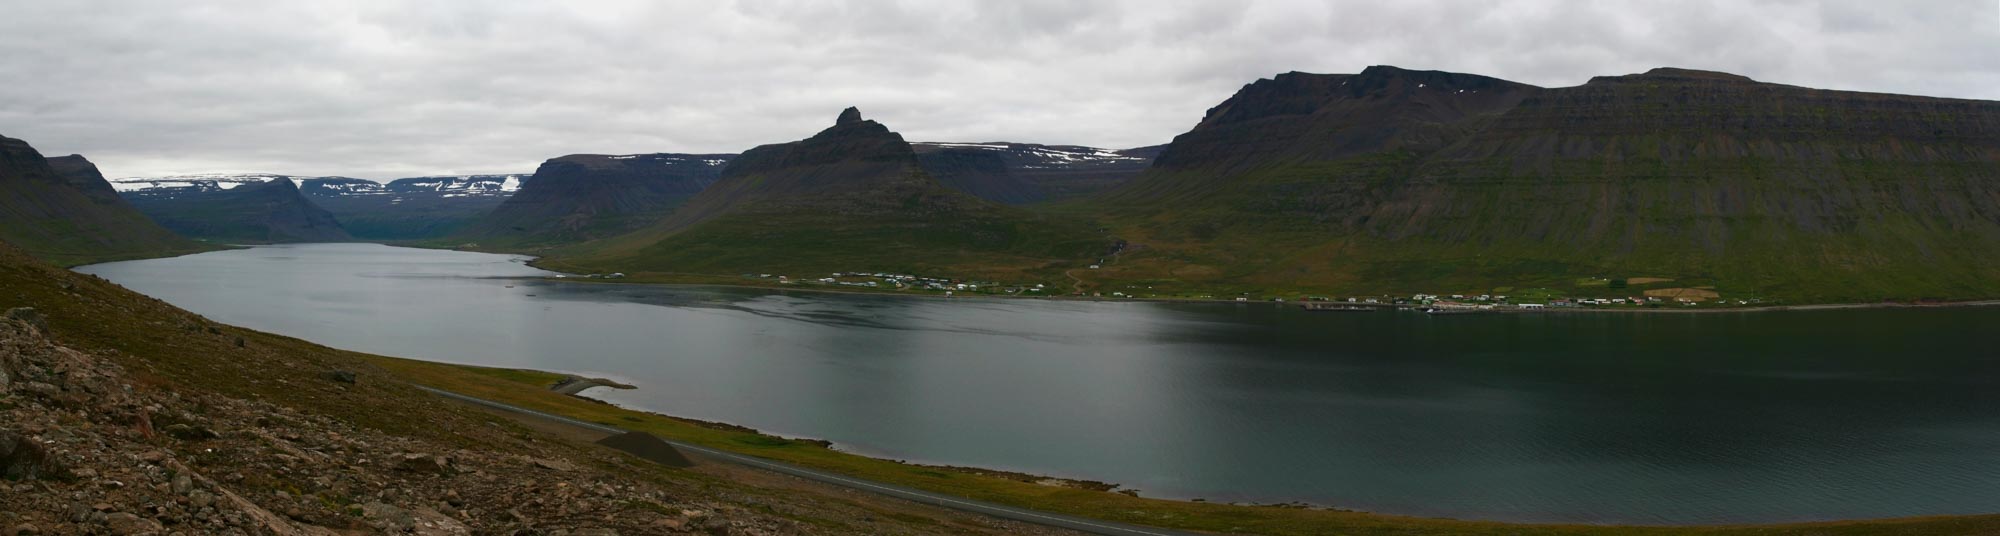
{"x": 849, "y": 115}
{"x": 851, "y": 197}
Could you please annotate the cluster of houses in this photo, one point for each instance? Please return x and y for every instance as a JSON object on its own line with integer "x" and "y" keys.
{"x": 1492, "y": 301}
{"x": 612, "y": 275}
{"x": 882, "y": 280}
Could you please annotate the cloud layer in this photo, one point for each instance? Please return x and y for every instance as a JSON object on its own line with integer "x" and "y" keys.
{"x": 382, "y": 90}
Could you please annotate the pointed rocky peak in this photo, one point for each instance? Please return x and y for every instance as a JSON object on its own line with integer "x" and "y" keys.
{"x": 849, "y": 115}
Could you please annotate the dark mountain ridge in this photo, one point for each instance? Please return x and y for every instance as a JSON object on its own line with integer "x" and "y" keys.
{"x": 851, "y": 197}
{"x": 1412, "y": 180}
{"x": 61, "y": 209}
{"x": 252, "y": 213}
{"x": 414, "y": 208}
{"x": 1024, "y": 173}
{"x": 582, "y": 197}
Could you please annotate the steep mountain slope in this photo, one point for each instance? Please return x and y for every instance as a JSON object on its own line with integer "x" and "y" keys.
{"x": 1443, "y": 182}
{"x": 586, "y": 196}
{"x": 259, "y": 212}
{"x": 412, "y": 208}
{"x": 1023, "y": 173}
{"x": 61, "y": 209}
{"x": 852, "y": 197}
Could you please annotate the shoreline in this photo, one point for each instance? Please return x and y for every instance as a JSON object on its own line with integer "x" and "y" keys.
{"x": 1107, "y": 487}
{"x": 535, "y": 262}
{"x": 1664, "y": 309}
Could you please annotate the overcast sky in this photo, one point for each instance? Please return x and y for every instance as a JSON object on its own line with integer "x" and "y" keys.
{"x": 382, "y": 90}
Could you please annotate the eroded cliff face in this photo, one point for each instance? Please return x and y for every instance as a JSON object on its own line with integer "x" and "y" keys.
{"x": 1298, "y": 117}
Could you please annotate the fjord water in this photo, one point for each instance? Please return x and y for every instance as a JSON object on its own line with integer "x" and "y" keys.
{"x": 1625, "y": 418}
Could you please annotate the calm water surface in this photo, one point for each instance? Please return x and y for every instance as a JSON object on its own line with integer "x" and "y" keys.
{"x": 1586, "y": 417}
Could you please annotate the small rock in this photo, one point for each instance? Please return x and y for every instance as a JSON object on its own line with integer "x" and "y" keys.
{"x": 30, "y": 316}
{"x": 200, "y": 499}
{"x": 423, "y": 463}
{"x": 24, "y": 529}
{"x": 554, "y": 465}
{"x": 190, "y": 433}
{"x": 239, "y": 342}
{"x": 123, "y": 523}
{"x": 342, "y": 376}
{"x": 182, "y": 484}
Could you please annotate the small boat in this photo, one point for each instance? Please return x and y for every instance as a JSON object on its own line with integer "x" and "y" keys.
{"x": 1450, "y": 311}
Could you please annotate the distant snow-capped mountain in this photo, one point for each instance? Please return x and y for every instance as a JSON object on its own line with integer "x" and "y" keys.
{"x": 409, "y": 208}
{"x": 331, "y": 186}
{"x": 198, "y": 182}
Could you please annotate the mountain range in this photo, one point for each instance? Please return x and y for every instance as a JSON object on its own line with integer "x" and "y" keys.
{"x": 853, "y": 196}
{"x": 1386, "y": 181}
{"x": 403, "y": 209}
{"x": 240, "y": 212}
{"x": 1393, "y": 180}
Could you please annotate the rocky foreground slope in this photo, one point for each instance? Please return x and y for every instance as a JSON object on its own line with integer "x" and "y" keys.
{"x": 120, "y": 414}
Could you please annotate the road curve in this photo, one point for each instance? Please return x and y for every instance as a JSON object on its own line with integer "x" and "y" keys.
{"x": 1081, "y": 524}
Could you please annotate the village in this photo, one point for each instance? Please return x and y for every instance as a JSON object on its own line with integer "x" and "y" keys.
{"x": 908, "y": 282}
{"x": 1532, "y": 300}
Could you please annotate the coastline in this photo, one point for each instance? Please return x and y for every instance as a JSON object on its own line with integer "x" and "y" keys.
{"x": 1213, "y": 301}
{"x": 1087, "y": 499}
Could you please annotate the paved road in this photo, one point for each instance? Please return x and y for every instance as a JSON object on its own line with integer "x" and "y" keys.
{"x": 912, "y": 494}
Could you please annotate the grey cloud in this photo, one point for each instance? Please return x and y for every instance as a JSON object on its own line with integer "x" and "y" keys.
{"x": 381, "y": 89}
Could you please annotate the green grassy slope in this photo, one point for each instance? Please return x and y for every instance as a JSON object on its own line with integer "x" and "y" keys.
{"x": 62, "y": 210}
{"x": 1760, "y": 190}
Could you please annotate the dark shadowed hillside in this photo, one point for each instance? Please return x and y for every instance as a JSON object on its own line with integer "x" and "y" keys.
{"x": 850, "y": 197}
{"x": 1023, "y": 173}
{"x": 1410, "y": 181}
{"x": 250, "y": 213}
{"x": 61, "y": 209}
{"x": 582, "y": 197}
